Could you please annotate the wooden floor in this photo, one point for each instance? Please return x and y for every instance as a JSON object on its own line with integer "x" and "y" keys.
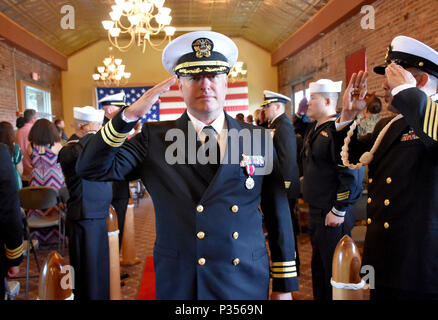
{"x": 145, "y": 237}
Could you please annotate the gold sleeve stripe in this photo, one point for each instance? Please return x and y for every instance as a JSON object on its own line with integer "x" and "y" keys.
{"x": 14, "y": 256}
{"x": 280, "y": 269}
{"x": 111, "y": 136}
{"x": 20, "y": 247}
{"x": 15, "y": 253}
{"x": 343, "y": 193}
{"x": 284, "y": 275}
{"x": 426, "y": 116}
{"x": 431, "y": 119}
{"x": 115, "y": 133}
{"x": 341, "y": 165}
{"x": 343, "y": 197}
{"x": 108, "y": 141}
{"x": 283, "y": 264}
{"x": 435, "y": 123}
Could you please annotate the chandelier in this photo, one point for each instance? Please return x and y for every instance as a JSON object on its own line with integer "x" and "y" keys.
{"x": 112, "y": 72}
{"x": 238, "y": 73}
{"x": 139, "y": 20}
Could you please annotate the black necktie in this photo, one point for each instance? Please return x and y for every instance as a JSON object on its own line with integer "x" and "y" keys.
{"x": 211, "y": 145}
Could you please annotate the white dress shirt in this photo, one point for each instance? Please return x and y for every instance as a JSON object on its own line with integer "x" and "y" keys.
{"x": 220, "y": 127}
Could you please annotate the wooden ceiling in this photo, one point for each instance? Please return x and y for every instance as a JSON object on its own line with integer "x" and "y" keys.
{"x": 266, "y": 23}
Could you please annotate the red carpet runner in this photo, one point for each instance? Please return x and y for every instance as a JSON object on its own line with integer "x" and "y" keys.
{"x": 147, "y": 286}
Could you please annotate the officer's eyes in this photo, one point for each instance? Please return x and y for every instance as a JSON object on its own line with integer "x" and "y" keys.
{"x": 212, "y": 77}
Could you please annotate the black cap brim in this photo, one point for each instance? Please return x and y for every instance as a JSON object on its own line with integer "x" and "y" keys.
{"x": 380, "y": 69}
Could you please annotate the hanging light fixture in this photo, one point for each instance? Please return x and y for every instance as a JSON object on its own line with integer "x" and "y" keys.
{"x": 140, "y": 20}
{"x": 112, "y": 73}
{"x": 238, "y": 73}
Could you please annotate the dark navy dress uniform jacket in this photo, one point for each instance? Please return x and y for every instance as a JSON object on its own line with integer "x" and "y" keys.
{"x": 285, "y": 143}
{"x": 209, "y": 238}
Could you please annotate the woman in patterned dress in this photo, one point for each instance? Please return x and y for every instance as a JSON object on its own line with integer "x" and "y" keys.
{"x": 43, "y": 152}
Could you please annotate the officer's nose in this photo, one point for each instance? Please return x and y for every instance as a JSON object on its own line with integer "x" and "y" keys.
{"x": 205, "y": 83}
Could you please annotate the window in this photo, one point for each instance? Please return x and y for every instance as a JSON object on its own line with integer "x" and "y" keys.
{"x": 31, "y": 96}
{"x": 300, "y": 89}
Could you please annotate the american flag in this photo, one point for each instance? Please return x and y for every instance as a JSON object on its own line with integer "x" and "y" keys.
{"x": 132, "y": 94}
{"x": 172, "y": 103}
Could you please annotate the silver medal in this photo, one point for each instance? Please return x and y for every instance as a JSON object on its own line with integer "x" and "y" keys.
{"x": 249, "y": 183}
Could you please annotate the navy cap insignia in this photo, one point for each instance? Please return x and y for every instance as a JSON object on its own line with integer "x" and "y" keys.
{"x": 202, "y": 47}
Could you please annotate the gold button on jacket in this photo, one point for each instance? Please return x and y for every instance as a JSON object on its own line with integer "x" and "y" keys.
{"x": 369, "y": 221}
{"x": 388, "y": 180}
{"x": 386, "y": 225}
{"x": 201, "y": 261}
{"x": 386, "y": 202}
{"x": 370, "y": 180}
{"x": 236, "y": 235}
{"x": 200, "y": 208}
{"x": 201, "y": 235}
{"x": 369, "y": 200}
{"x": 236, "y": 261}
{"x": 235, "y": 209}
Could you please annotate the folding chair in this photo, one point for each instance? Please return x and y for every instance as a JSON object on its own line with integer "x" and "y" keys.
{"x": 40, "y": 198}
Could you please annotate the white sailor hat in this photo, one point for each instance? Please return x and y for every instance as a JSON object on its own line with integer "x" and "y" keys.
{"x": 408, "y": 52}
{"x": 200, "y": 52}
{"x": 88, "y": 113}
{"x": 271, "y": 97}
{"x": 325, "y": 85}
{"x": 117, "y": 99}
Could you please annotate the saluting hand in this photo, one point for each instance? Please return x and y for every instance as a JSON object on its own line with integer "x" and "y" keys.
{"x": 354, "y": 96}
{"x": 397, "y": 75}
{"x": 140, "y": 107}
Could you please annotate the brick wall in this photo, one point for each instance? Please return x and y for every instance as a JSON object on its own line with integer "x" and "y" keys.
{"x": 23, "y": 64}
{"x": 325, "y": 58}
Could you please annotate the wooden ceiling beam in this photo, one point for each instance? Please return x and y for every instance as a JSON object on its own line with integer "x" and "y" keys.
{"x": 29, "y": 43}
{"x": 326, "y": 19}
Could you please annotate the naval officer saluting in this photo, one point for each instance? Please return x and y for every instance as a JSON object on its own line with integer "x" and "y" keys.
{"x": 402, "y": 235}
{"x": 209, "y": 237}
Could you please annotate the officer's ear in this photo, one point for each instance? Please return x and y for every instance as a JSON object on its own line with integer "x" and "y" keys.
{"x": 422, "y": 80}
